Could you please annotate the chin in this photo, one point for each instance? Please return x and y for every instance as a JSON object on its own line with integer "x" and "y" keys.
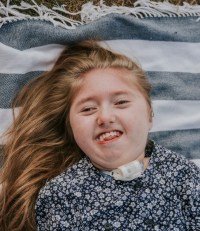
{"x": 105, "y": 166}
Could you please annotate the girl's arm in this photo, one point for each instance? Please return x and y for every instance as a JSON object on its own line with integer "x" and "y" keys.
{"x": 191, "y": 198}
{"x": 53, "y": 209}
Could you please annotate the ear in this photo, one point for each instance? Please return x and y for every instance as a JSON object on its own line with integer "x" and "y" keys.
{"x": 151, "y": 115}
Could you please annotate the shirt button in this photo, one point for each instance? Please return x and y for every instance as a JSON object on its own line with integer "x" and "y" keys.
{"x": 108, "y": 226}
{"x": 149, "y": 223}
{"x": 137, "y": 185}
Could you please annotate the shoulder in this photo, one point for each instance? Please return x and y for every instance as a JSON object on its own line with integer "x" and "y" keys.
{"x": 66, "y": 183}
{"x": 166, "y": 156}
{"x": 174, "y": 166}
{"x": 61, "y": 196}
{"x": 180, "y": 180}
{"x": 175, "y": 174}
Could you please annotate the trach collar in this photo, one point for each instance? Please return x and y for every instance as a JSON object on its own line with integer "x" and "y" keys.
{"x": 128, "y": 171}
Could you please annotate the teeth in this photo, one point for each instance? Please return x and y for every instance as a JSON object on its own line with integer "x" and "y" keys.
{"x": 101, "y": 138}
{"x": 108, "y": 134}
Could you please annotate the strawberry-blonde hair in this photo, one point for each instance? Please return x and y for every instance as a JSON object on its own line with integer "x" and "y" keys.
{"x": 40, "y": 144}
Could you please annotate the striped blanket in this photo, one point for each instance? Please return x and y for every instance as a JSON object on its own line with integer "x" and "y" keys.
{"x": 163, "y": 38}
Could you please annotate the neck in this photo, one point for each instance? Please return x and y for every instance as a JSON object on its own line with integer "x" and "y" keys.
{"x": 129, "y": 171}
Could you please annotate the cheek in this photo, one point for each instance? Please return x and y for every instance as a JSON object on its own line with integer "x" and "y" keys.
{"x": 140, "y": 119}
{"x": 82, "y": 134}
{"x": 78, "y": 134}
{"x": 74, "y": 126}
{"x": 146, "y": 121}
{"x": 80, "y": 128}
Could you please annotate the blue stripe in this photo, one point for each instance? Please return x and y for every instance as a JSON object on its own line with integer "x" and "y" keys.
{"x": 28, "y": 33}
{"x": 165, "y": 86}
{"x": 175, "y": 86}
{"x": 185, "y": 142}
{"x": 10, "y": 84}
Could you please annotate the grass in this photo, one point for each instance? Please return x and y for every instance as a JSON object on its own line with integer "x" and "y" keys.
{"x": 75, "y": 5}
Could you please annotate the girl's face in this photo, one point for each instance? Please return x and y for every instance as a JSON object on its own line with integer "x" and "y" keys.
{"x": 110, "y": 118}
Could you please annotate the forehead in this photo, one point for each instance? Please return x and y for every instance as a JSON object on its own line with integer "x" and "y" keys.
{"x": 108, "y": 78}
{"x": 109, "y": 81}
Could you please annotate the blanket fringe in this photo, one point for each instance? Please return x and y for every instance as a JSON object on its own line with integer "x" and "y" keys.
{"x": 12, "y": 13}
{"x": 141, "y": 9}
{"x": 59, "y": 16}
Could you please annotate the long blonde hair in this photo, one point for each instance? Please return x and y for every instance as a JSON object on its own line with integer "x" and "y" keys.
{"x": 40, "y": 143}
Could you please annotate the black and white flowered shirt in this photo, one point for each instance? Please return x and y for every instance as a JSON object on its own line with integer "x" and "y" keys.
{"x": 165, "y": 198}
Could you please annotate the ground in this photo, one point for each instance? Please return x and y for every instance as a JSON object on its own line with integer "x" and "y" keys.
{"x": 75, "y": 5}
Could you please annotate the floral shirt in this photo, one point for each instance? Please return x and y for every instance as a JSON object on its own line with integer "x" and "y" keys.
{"x": 165, "y": 198}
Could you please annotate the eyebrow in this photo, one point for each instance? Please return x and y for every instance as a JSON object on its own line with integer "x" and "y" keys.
{"x": 91, "y": 98}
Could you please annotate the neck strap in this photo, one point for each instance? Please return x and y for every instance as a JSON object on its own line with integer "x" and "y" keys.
{"x": 128, "y": 171}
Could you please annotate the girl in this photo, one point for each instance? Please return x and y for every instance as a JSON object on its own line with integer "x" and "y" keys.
{"x": 78, "y": 156}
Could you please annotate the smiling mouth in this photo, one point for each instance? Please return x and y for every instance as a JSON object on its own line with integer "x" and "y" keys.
{"x": 107, "y": 136}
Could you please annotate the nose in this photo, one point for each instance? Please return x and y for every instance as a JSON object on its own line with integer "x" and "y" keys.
{"x": 105, "y": 117}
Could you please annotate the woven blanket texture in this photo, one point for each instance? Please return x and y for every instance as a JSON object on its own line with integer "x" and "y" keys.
{"x": 164, "y": 39}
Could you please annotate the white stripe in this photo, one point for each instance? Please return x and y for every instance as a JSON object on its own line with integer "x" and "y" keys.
{"x": 160, "y": 55}
{"x": 5, "y": 121}
{"x": 152, "y": 55}
{"x": 13, "y": 61}
{"x": 6, "y": 118}
{"x": 176, "y": 115}
{"x": 168, "y": 115}
{"x": 196, "y": 161}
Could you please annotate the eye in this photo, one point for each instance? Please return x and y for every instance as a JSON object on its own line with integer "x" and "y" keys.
{"x": 120, "y": 102}
{"x": 88, "y": 110}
